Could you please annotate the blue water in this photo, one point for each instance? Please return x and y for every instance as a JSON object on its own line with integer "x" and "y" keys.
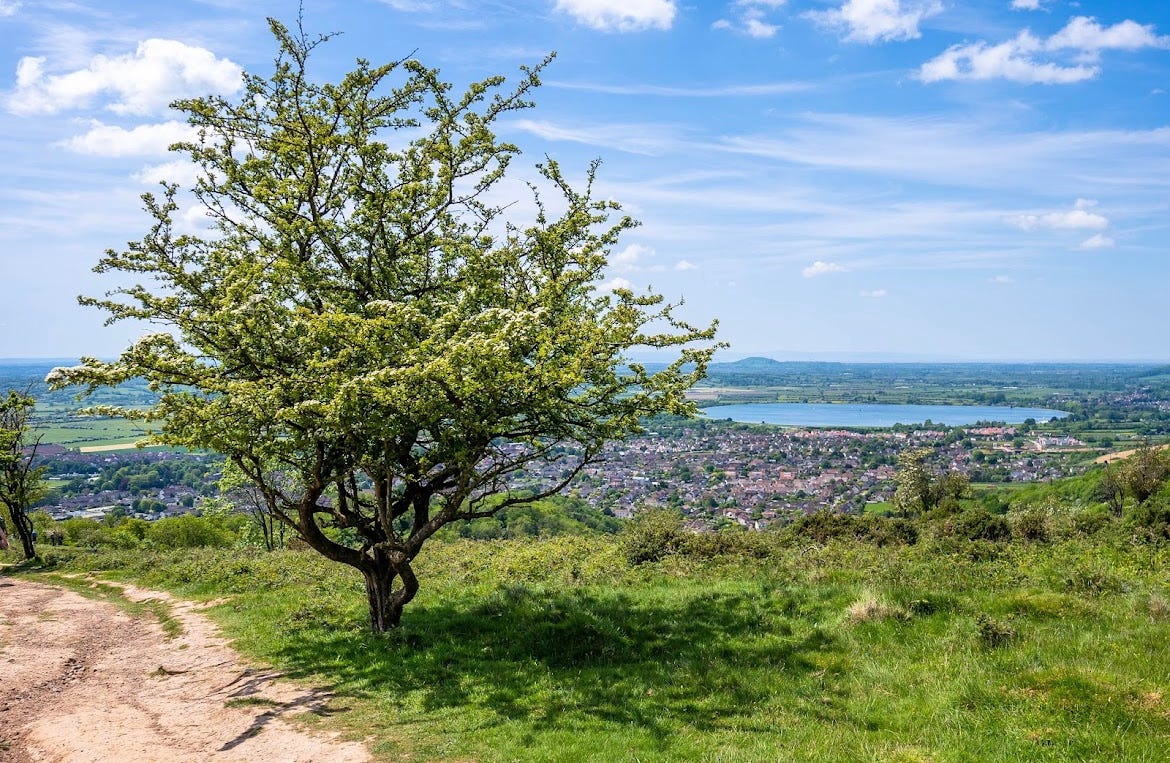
{"x": 862, "y": 415}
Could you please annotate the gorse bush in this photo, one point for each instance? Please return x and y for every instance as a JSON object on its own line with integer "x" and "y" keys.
{"x": 660, "y": 533}
{"x": 825, "y": 526}
{"x": 652, "y": 536}
{"x": 1150, "y": 521}
{"x": 976, "y": 524}
{"x": 1031, "y": 526}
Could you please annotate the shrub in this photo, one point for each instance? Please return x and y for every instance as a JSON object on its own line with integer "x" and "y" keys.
{"x": 90, "y": 533}
{"x": 652, "y": 535}
{"x": 1092, "y": 580}
{"x": 1091, "y": 521}
{"x": 1151, "y": 519}
{"x": 189, "y": 531}
{"x": 1031, "y": 526}
{"x": 824, "y": 526}
{"x": 977, "y": 524}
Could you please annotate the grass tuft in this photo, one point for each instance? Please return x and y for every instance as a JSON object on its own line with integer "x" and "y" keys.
{"x": 870, "y": 608}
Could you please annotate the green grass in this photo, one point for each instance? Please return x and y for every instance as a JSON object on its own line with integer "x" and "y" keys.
{"x": 558, "y": 650}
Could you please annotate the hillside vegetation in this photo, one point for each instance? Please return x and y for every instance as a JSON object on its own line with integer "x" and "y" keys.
{"x": 1041, "y": 634}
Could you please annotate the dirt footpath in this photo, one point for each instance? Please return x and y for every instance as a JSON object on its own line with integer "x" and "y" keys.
{"x": 80, "y": 680}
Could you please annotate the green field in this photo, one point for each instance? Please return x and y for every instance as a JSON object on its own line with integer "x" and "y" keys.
{"x": 82, "y": 431}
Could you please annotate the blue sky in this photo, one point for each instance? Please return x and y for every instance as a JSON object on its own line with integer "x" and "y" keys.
{"x": 850, "y": 179}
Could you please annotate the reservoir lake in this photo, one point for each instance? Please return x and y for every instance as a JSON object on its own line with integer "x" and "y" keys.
{"x": 870, "y": 415}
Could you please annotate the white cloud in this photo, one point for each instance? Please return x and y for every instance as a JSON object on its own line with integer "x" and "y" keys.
{"x": 752, "y": 18}
{"x": 614, "y": 284}
{"x": 685, "y": 265}
{"x": 1026, "y": 5}
{"x": 871, "y": 21}
{"x": 1085, "y": 34}
{"x": 627, "y": 260}
{"x": 1012, "y": 60}
{"x": 143, "y": 140}
{"x": 180, "y": 172}
{"x": 1078, "y": 218}
{"x": 9, "y": 7}
{"x": 873, "y": 293}
{"x": 820, "y": 268}
{"x": 621, "y": 15}
{"x": 143, "y": 82}
{"x": 1023, "y": 58}
{"x": 760, "y": 29}
{"x": 1099, "y": 241}
{"x": 193, "y": 219}
{"x": 633, "y": 258}
{"x": 1001, "y": 279}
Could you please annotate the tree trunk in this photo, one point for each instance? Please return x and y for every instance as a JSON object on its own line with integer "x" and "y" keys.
{"x": 386, "y": 601}
{"x": 24, "y": 530}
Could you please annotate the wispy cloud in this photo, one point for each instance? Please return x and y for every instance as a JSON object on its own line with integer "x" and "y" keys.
{"x": 873, "y": 293}
{"x": 965, "y": 153}
{"x": 9, "y": 7}
{"x": 621, "y": 15}
{"x": 871, "y": 21}
{"x": 645, "y": 139}
{"x": 726, "y": 91}
{"x": 1099, "y": 241}
{"x": 410, "y": 6}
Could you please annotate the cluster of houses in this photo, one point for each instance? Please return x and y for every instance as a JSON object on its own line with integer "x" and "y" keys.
{"x": 93, "y": 501}
{"x": 755, "y": 476}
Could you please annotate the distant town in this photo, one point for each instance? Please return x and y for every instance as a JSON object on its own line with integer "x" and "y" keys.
{"x": 715, "y": 472}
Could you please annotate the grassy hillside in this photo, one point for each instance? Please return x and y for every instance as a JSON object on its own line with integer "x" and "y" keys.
{"x": 746, "y": 648}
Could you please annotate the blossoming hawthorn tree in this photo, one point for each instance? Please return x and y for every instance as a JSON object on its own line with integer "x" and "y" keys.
{"x": 363, "y": 332}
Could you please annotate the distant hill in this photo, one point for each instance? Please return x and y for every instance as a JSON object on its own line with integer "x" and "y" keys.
{"x": 767, "y": 367}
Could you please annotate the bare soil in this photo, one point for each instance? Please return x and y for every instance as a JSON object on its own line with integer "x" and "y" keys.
{"x": 81, "y": 680}
{"x": 1121, "y": 454}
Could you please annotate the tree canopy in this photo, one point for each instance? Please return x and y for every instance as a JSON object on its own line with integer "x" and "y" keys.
{"x": 365, "y": 329}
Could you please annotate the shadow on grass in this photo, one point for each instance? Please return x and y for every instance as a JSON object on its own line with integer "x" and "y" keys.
{"x": 555, "y": 659}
